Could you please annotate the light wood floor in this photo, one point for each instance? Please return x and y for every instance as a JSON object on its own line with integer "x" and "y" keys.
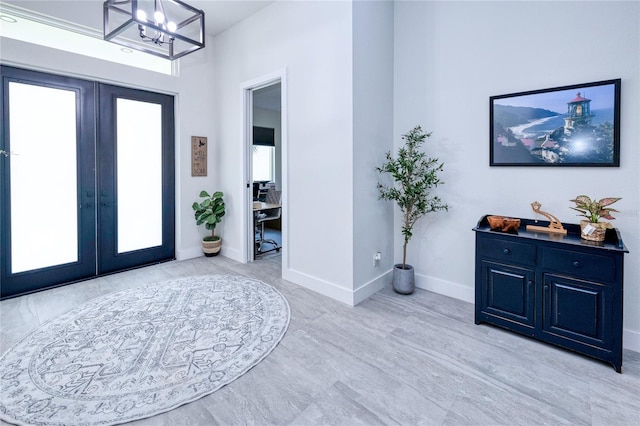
{"x": 393, "y": 359}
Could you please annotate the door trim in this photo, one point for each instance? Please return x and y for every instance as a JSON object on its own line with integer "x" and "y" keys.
{"x": 279, "y": 76}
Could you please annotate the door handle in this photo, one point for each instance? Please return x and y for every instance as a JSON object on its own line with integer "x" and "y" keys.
{"x": 104, "y": 194}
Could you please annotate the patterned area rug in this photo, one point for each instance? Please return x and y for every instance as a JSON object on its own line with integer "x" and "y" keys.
{"x": 141, "y": 352}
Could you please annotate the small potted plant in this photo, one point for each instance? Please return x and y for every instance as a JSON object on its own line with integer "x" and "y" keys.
{"x": 592, "y": 229}
{"x": 414, "y": 175}
{"x": 210, "y": 212}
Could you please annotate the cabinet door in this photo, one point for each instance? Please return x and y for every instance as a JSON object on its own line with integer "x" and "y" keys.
{"x": 508, "y": 293}
{"x": 577, "y": 312}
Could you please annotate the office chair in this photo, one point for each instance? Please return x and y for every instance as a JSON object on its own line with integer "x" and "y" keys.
{"x": 273, "y": 197}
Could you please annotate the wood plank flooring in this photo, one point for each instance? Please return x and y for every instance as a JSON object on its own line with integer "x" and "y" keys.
{"x": 392, "y": 360}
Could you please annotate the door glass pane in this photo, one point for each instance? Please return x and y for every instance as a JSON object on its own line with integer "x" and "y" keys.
{"x": 139, "y": 165}
{"x": 44, "y": 206}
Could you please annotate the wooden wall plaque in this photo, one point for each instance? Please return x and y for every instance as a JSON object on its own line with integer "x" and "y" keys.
{"x": 198, "y": 156}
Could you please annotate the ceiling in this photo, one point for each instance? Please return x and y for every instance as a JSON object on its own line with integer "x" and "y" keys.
{"x": 219, "y": 14}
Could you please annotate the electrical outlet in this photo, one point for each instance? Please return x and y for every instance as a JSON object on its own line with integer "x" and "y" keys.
{"x": 376, "y": 258}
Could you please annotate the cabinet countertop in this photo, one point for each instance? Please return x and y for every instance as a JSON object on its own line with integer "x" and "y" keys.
{"x": 613, "y": 240}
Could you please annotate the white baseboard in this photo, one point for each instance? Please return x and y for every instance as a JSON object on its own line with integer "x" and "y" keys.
{"x": 366, "y": 290}
{"x": 318, "y": 285}
{"x": 446, "y": 288}
{"x": 336, "y": 292}
{"x": 631, "y": 340}
{"x": 189, "y": 253}
{"x": 233, "y": 254}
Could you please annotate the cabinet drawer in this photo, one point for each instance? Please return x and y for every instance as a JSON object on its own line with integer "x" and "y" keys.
{"x": 578, "y": 264}
{"x": 509, "y": 251}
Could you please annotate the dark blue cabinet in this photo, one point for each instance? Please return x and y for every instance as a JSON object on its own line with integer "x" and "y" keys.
{"x": 559, "y": 289}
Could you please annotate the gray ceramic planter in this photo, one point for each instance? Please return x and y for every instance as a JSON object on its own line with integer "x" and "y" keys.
{"x": 404, "y": 281}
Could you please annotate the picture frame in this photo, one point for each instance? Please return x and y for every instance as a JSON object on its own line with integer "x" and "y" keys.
{"x": 575, "y": 126}
{"x": 198, "y": 156}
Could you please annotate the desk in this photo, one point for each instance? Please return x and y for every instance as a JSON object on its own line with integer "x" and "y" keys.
{"x": 259, "y": 206}
{"x": 271, "y": 211}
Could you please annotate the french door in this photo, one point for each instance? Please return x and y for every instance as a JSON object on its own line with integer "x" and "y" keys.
{"x": 136, "y": 180}
{"x": 87, "y": 180}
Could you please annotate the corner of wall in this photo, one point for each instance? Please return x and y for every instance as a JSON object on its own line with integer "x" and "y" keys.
{"x": 368, "y": 289}
{"x": 189, "y": 253}
{"x": 320, "y": 286}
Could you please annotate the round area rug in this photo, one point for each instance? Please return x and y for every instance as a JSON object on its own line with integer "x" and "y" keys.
{"x": 141, "y": 352}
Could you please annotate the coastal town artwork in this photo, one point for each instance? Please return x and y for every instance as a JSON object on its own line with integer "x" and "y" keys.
{"x": 568, "y": 126}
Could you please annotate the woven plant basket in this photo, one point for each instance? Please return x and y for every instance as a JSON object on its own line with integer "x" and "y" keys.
{"x": 597, "y": 234}
{"x": 211, "y": 248}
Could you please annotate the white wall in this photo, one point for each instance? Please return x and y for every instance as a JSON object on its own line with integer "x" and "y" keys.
{"x": 193, "y": 112}
{"x": 450, "y": 58}
{"x": 372, "y": 136}
{"x": 312, "y": 41}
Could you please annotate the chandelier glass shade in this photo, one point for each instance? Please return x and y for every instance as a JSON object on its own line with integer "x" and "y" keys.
{"x": 166, "y": 28}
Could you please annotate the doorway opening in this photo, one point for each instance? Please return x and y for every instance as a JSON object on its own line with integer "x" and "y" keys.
{"x": 265, "y": 169}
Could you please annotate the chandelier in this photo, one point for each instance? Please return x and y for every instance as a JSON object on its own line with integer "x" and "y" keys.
{"x": 166, "y": 28}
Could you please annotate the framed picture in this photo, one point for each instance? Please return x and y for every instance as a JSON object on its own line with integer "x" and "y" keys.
{"x": 576, "y": 125}
{"x": 198, "y": 156}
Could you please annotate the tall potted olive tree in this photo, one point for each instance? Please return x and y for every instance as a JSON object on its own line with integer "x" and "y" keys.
{"x": 414, "y": 175}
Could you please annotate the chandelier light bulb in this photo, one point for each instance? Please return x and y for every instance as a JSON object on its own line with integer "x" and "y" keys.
{"x": 172, "y": 27}
{"x": 141, "y": 15}
{"x": 159, "y": 17}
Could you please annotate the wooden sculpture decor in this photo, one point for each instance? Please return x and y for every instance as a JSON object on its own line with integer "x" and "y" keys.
{"x": 555, "y": 227}
{"x": 503, "y": 224}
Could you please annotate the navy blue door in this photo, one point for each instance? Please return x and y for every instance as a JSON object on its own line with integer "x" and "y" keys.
{"x": 135, "y": 178}
{"x": 71, "y": 206}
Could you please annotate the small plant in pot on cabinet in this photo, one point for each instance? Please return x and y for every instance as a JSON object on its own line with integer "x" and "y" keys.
{"x": 592, "y": 229}
{"x": 210, "y": 212}
{"x": 414, "y": 175}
